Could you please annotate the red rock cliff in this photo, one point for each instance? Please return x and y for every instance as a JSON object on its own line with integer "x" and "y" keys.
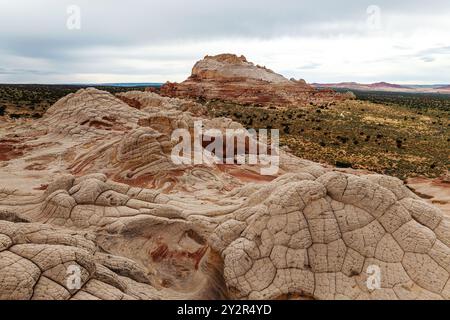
{"x": 231, "y": 78}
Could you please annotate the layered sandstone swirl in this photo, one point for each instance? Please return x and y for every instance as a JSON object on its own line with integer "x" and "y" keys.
{"x": 93, "y": 207}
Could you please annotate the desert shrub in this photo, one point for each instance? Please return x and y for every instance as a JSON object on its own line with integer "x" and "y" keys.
{"x": 343, "y": 164}
{"x": 2, "y": 111}
{"x": 342, "y": 139}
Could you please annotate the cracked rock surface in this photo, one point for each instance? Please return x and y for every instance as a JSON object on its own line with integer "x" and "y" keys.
{"x": 92, "y": 207}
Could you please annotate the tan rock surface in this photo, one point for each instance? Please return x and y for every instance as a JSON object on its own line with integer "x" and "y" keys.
{"x": 91, "y": 187}
{"x": 434, "y": 191}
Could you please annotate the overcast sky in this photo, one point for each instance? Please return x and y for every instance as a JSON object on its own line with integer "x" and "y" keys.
{"x": 155, "y": 41}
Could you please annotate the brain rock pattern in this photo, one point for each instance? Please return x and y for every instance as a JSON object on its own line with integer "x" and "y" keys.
{"x": 319, "y": 238}
{"x": 95, "y": 191}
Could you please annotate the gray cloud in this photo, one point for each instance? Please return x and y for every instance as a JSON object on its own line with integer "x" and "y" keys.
{"x": 309, "y": 66}
{"x": 427, "y": 59}
{"x": 135, "y": 21}
{"x": 114, "y": 34}
{"x": 24, "y": 71}
{"x": 437, "y": 51}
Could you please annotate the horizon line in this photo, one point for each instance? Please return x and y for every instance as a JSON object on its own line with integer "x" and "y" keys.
{"x": 160, "y": 83}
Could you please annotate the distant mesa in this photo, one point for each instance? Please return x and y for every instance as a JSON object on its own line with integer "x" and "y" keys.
{"x": 229, "y": 67}
{"x": 355, "y": 85}
{"x": 385, "y": 86}
{"x": 232, "y": 78}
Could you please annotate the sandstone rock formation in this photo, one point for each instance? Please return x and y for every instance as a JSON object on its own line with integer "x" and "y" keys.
{"x": 91, "y": 188}
{"x": 231, "y": 78}
{"x": 434, "y": 191}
